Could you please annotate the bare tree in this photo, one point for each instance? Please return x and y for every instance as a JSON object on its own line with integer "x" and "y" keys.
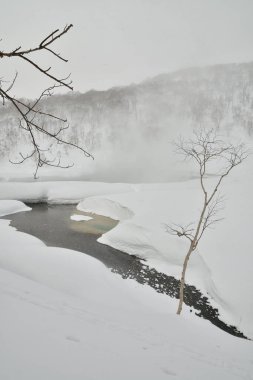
{"x": 30, "y": 112}
{"x": 208, "y": 151}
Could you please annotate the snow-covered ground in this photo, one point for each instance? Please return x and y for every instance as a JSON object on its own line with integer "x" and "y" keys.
{"x": 222, "y": 266}
{"x": 58, "y": 191}
{"x": 64, "y": 315}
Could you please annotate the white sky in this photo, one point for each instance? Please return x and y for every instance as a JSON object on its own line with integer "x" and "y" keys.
{"x": 117, "y": 42}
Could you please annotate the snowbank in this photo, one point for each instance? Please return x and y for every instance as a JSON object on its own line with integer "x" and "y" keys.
{"x": 8, "y": 207}
{"x": 105, "y": 207}
{"x": 58, "y": 191}
{"x": 222, "y": 267}
{"x": 64, "y": 315}
{"x": 144, "y": 209}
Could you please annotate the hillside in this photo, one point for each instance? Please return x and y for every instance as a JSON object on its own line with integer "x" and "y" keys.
{"x": 124, "y": 125}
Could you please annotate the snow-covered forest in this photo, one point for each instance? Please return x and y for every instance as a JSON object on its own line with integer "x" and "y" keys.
{"x": 128, "y": 128}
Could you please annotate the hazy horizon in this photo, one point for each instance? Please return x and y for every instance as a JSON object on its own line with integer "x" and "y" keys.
{"x": 117, "y": 42}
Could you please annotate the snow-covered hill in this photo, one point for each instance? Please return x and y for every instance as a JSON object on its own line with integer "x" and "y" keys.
{"x": 130, "y": 128}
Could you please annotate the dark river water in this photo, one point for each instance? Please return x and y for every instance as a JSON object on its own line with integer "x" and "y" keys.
{"x": 52, "y": 224}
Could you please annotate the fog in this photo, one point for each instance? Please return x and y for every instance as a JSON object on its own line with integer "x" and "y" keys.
{"x": 130, "y": 130}
{"x": 152, "y": 64}
{"x": 118, "y": 42}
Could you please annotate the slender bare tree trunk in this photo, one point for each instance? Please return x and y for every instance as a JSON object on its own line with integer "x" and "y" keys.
{"x": 206, "y": 148}
{"x": 193, "y": 245}
{"x": 182, "y": 281}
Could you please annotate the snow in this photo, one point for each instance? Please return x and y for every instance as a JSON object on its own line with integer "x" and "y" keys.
{"x": 229, "y": 244}
{"x": 144, "y": 209}
{"x": 8, "y": 207}
{"x": 58, "y": 192}
{"x": 106, "y": 207}
{"x": 80, "y": 218}
{"x": 64, "y": 315}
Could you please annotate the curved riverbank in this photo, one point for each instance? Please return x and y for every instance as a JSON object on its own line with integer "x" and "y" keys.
{"x": 53, "y": 225}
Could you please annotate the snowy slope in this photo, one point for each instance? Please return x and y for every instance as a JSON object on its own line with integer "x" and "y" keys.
{"x": 64, "y": 315}
{"x": 222, "y": 266}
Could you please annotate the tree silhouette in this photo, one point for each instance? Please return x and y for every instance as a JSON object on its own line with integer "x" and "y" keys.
{"x": 207, "y": 150}
{"x": 30, "y": 113}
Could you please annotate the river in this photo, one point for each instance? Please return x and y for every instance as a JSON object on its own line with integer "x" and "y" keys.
{"x": 53, "y": 225}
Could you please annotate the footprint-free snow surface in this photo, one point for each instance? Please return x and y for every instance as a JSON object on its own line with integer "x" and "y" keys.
{"x": 65, "y": 315}
{"x": 55, "y": 225}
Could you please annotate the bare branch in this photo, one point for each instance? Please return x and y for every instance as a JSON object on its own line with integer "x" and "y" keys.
{"x": 180, "y": 231}
{"x": 211, "y": 216}
{"x": 206, "y": 148}
{"x": 43, "y": 45}
{"x": 30, "y": 111}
